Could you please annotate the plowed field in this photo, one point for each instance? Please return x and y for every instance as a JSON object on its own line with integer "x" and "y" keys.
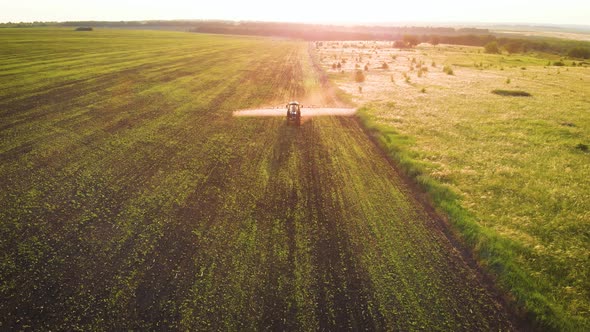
{"x": 133, "y": 199}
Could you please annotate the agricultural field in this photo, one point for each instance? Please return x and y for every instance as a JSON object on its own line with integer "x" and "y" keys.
{"x": 131, "y": 198}
{"x": 572, "y": 35}
{"x": 501, "y": 143}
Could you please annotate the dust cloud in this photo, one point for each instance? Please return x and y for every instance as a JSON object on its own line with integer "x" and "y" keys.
{"x": 305, "y": 112}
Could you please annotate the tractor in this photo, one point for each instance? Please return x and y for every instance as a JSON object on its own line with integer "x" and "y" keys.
{"x": 294, "y": 113}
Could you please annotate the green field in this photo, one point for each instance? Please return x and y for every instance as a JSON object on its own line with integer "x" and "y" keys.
{"x": 132, "y": 199}
{"x": 512, "y": 171}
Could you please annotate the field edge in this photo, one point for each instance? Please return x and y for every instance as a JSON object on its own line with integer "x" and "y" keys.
{"x": 493, "y": 253}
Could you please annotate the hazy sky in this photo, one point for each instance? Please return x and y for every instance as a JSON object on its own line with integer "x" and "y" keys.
{"x": 364, "y": 11}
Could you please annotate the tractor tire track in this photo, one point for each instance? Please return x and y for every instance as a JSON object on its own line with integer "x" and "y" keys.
{"x": 343, "y": 289}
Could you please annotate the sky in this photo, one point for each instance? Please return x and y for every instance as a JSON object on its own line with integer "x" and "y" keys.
{"x": 312, "y": 11}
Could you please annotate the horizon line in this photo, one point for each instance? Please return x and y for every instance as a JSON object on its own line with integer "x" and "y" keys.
{"x": 361, "y": 23}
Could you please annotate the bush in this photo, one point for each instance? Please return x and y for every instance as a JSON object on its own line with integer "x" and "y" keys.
{"x": 448, "y": 70}
{"x": 359, "y": 76}
{"x": 411, "y": 41}
{"x": 511, "y": 93}
{"x": 492, "y": 47}
{"x": 407, "y": 78}
{"x": 559, "y": 63}
{"x": 84, "y": 29}
{"x": 582, "y": 147}
{"x": 384, "y": 65}
{"x": 367, "y": 67}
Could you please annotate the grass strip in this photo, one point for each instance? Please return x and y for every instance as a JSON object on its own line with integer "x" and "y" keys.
{"x": 495, "y": 254}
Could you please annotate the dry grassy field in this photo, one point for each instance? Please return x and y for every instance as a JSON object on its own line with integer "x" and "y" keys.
{"x": 501, "y": 142}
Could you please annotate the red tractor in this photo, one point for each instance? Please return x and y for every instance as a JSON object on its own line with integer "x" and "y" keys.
{"x": 294, "y": 113}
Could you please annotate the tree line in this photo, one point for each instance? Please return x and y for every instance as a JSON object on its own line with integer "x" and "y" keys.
{"x": 400, "y": 36}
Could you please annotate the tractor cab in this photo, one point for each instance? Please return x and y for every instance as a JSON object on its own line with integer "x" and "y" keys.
{"x": 293, "y": 112}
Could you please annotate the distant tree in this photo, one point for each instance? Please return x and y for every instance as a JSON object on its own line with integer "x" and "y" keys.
{"x": 339, "y": 65}
{"x": 384, "y": 65}
{"x": 492, "y": 47}
{"x": 84, "y": 29}
{"x": 359, "y": 76}
{"x": 435, "y": 40}
{"x": 400, "y": 44}
{"x": 367, "y": 67}
{"x": 579, "y": 52}
{"x": 513, "y": 47}
{"x": 410, "y": 40}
